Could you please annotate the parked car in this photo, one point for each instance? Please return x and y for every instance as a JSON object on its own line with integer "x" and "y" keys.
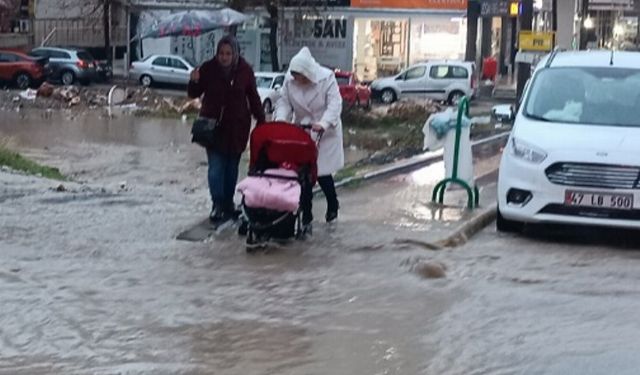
{"x": 269, "y": 85}
{"x": 573, "y": 156}
{"x": 21, "y": 70}
{"x": 68, "y": 65}
{"x": 439, "y": 80}
{"x": 169, "y": 69}
{"x": 353, "y": 92}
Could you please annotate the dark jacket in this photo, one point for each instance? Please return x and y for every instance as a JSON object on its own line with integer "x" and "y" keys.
{"x": 240, "y": 102}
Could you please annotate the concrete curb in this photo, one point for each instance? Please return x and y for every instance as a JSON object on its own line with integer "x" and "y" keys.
{"x": 474, "y": 225}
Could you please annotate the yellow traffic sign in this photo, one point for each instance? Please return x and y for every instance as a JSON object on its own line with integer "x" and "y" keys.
{"x": 535, "y": 41}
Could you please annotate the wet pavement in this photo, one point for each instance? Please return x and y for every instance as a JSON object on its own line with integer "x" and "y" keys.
{"x": 93, "y": 281}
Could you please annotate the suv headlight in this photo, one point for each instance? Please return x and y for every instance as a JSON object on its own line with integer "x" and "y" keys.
{"x": 525, "y": 151}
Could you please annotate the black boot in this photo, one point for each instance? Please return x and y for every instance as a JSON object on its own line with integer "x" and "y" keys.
{"x": 329, "y": 190}
{"x": 217, "y": 214}
{"x": 230, "y": 211}
{"x": 332, "y": 212}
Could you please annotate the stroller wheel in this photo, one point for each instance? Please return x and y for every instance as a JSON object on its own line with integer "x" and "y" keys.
{"x": 243, "y": 228}
{"x": 253, "y": 242}
{"x": 304, "y": 231}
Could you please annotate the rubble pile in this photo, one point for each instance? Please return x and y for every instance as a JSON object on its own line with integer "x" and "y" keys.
{"x": 49, "y": 96}
{"x": 410, "y": 109}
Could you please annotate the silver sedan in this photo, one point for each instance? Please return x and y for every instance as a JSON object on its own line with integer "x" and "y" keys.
{"x": 170, "y": 69}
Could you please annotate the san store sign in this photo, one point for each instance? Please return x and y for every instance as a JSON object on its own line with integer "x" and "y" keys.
{"x": 330, "y": 40}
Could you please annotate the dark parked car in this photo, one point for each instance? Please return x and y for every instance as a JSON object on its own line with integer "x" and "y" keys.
{"x": 20, "y": 69}
{"x": 68, "y": 65}
{"x": 104, "y": 71}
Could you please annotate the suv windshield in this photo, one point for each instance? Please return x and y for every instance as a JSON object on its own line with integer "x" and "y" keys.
{"x": 263, "y": 82}
{"x": 593, "y": 96}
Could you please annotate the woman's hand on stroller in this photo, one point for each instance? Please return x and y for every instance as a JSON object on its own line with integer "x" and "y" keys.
{"x": 313, "y": 127}
{"x": 317, "y": 128}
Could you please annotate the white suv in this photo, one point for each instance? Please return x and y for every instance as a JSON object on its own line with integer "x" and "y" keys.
{"x": 439, "y": 80}
{"x": 573, "y": 155}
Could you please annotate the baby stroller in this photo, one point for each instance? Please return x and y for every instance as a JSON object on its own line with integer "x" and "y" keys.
{"x": 282, "y": 163}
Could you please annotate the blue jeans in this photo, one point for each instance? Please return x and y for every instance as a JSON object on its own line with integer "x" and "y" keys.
{"x": 223, "y": 176}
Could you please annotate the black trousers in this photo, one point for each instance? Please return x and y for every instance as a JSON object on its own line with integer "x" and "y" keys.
{"x": 328, "y": 187}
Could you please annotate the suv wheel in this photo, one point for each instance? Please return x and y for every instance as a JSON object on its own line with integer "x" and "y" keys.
{"x": 146, "y": 80}
{"x": 23, "y": 81}
{"x": 268, "y": 108}
{"x": 388, "y": 96}
{"x": 68, "y": 78}
{"x": 367, "y": 105}
{"x": 455, "y": 97}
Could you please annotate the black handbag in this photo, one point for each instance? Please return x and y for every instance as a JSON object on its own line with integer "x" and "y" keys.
{"x": 203, "y": 128}
{"x": 203, "y": 131}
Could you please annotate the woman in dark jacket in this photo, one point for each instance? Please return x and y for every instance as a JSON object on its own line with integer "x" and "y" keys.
{"x": 230, "y": 96}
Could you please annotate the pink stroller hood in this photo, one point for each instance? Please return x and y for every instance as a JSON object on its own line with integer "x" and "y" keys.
{"x": 279, "y": 194}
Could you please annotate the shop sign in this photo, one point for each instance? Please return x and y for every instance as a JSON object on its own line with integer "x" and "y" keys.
{"x": 490, "y": 8}
{"x": 330, "y": 40}
{"x": 316, "y": 3}
{"x": 535, "y": 41}
{"x": 412, "y": 4}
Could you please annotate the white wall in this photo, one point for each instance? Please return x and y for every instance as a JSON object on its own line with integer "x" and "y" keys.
{"x": 565, "y": 31}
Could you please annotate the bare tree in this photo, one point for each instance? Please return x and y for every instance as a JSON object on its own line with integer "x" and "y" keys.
{"x": 274, "y": 8}
{"x": 8, "y": 11}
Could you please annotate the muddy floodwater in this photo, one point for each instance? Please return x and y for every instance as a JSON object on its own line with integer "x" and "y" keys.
{"x": 93, "y": 281}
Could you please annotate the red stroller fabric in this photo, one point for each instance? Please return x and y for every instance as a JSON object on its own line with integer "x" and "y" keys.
{"x": 282, "y": 143}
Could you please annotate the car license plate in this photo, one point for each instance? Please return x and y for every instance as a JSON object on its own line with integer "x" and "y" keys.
{"x": 600, "y": 200}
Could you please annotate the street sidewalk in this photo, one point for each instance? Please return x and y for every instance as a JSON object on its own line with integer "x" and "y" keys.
{"x": 404, "y": 201}
{"x": 399, "y": 195}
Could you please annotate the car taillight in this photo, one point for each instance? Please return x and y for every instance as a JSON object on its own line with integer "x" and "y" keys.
{"x": 82, "y": 64}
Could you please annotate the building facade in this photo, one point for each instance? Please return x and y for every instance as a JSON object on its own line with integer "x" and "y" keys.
{"x": 78, "y": 23}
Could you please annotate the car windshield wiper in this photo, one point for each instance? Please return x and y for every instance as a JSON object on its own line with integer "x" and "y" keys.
{"x": 537, "y": 117}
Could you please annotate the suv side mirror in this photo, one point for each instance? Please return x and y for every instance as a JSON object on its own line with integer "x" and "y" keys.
{"x": 504, "y": 113}
{"x": 277, "y": 87}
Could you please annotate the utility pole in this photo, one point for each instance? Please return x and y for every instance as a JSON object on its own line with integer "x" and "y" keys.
{"x": 554, "y": 16}
{"x": 526, "y": 21}
{"x": 106, "y": 18}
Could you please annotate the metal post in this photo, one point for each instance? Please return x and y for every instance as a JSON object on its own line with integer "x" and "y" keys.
{"x": 409, "y": 41}
{"x": 127, "y": 60}
{"x": 584, "y": 12}
{"x": 524, "y": 70}
{"x": 438, "y": 191}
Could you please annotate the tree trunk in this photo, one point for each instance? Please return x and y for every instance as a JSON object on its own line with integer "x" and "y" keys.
{"x": 273, "y": 36}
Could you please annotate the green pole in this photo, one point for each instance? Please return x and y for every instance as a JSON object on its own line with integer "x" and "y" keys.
{"x": 463, "y": 109}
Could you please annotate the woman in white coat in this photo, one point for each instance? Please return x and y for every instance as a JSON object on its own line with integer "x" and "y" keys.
{"x": 310, "y": 96}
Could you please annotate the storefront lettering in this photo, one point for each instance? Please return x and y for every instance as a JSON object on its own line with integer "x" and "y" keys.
{"x": 322, "y": 29}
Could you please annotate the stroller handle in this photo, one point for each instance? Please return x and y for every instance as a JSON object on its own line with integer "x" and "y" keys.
{"x": 308, "y": 127}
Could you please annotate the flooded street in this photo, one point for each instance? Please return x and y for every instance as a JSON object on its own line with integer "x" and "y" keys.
{"x": 93, "y": 281}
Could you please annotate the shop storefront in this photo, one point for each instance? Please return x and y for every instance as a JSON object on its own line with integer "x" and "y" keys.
{"x": 378, "y": 37}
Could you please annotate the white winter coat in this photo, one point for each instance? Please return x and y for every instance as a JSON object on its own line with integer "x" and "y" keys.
{"x": 317, "y": 103}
